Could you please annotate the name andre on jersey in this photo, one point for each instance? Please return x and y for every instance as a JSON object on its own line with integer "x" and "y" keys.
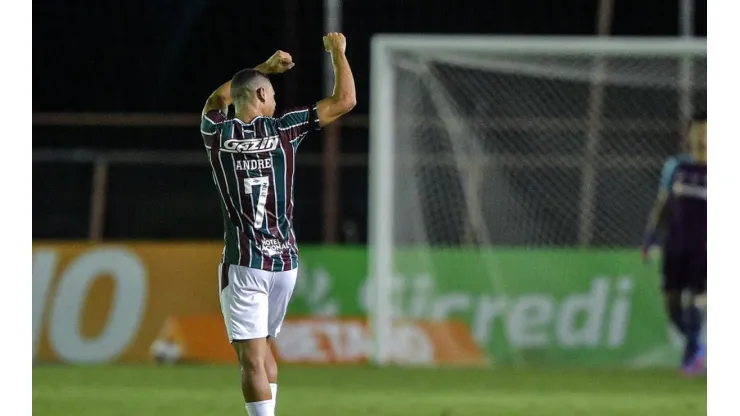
{"x": 259, "y": 145}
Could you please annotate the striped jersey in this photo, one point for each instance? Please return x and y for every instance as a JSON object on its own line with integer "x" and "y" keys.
{"x": 253, "y": 167}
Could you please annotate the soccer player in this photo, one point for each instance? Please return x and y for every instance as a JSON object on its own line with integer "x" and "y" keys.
{"x": 252, "y": 157}
{"x": 681, "y": 208}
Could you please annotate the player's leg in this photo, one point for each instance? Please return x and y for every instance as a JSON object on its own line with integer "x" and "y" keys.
{"x": 255, "y": 387}
{"x": 695, "y": 352}
{"x": 272, "y": 370}
{"x": 280, "y": 293}
{"x": 244, "y": 303}
{"x": 676, "y": 281}
{"x": 673, "y": 304}
{"x": 673, "y": 285}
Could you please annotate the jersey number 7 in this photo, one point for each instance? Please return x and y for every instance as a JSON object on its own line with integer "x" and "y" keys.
{"x": 263, "y": 182}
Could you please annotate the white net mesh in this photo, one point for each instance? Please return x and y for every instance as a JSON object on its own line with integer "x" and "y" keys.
{"x": 534, "y": 150}
{"x": 503, "y": 165}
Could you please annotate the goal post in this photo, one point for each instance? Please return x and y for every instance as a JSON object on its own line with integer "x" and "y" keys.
{"x": 482, "y": 147}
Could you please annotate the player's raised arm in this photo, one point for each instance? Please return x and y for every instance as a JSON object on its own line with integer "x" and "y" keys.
{"x": 220, "y": 99}
{"x": 344, "y": 98}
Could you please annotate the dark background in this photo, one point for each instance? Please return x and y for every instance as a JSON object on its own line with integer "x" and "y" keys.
{"x": 161, "y": 56}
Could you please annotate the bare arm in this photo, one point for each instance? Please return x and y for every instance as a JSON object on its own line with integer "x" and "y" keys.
{"x": 657, "y": 212}
{"x": 220, "y": 99}
{"x": 344, "y": 97}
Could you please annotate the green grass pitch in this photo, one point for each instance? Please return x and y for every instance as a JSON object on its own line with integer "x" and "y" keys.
{"x": 328, "y": 391}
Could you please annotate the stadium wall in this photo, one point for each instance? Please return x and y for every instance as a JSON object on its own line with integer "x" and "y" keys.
{"x": 134, "y": 302}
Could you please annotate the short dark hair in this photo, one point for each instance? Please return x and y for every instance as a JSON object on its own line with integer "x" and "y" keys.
{"x": 244, "y": 81}
{"x": 700, "y": 116}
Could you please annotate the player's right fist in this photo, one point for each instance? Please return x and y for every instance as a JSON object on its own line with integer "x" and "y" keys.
{"x": 280, "y": 62}
{"x": 335, "y": 42}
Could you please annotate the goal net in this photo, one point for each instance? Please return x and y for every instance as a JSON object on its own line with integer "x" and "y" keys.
{"x": 507, "y": 176}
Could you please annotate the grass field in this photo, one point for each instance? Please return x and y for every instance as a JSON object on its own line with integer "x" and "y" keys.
{"x": 309, "y": 391}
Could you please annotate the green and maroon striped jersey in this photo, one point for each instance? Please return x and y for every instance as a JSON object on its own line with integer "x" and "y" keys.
{"x": 253, "y": 167}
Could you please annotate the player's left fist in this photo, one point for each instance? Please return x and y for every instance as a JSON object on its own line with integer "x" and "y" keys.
{"x": 280, "y": 62}
{"x": 335, "y": 42}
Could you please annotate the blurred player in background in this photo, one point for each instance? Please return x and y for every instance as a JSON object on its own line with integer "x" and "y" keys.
{"x": 252, "y": 159}
{"x": 681, "y": 211}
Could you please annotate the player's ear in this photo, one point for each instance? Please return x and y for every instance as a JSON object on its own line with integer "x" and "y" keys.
{"x": 262, "y": 94}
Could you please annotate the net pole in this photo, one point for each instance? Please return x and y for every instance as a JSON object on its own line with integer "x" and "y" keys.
{"x": 98, "y": 199}
{"x": 604, "y": 19}
{"x": 332, "y": 23}
{"x": 381, "y": 201}
{"x": 290, "y": 39}
{"x": 686, "y": 32}
{"x": 686, "y": 27}
{"x": 332, "y": 145}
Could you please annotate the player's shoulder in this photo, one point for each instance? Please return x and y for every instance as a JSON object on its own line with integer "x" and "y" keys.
{"x": 295, "y": 111}
{"x": 214, "y": 116}
{"x": 299, "y": 120}
{"x": 674, "y": 161}
{"x": 301, "y": 113}
{"x": 270, "y": 124}
{"x": 212, "y": 122}
{"x": 678, "y": 157}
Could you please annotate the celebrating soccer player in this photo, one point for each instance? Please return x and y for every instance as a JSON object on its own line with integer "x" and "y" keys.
{"x": 681, "y": 206}
{"x": 252, "y": 157}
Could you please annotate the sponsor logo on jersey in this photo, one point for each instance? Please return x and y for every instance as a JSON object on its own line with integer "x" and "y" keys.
{"x": 274, "y": 247}
{"x": 264, "y": 144}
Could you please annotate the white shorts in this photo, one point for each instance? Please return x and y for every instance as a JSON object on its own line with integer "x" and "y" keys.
{"x": 254, "y": 301}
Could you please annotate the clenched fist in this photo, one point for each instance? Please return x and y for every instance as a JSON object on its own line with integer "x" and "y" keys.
{"x": 335, "y": 43}
{"x": 280, "y": 62}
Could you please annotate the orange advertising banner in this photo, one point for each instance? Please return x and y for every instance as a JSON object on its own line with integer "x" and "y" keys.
{"x": 101, "y": 303}
{"x": 137, "y": 302}
{"x": 322, "y": 340}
